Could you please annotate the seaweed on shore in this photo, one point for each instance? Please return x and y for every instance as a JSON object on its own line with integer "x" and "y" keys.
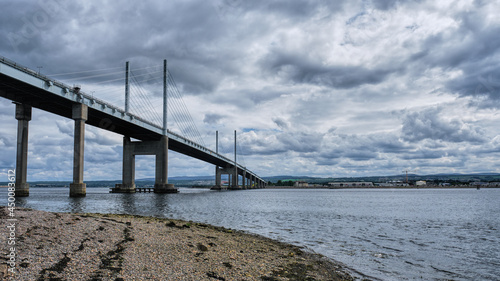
{"x": 113, "y": 259}
{"x": 58, "y": 267}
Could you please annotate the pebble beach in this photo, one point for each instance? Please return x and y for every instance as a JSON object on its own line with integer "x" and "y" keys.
{"x": 67, "y": 246}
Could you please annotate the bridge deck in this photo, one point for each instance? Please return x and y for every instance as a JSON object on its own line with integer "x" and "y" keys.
{"x": 23, "y": 85}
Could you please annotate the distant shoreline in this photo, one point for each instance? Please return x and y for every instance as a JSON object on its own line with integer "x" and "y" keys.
{"x": 383, "y": 187}
{"x": 315, "y": 187}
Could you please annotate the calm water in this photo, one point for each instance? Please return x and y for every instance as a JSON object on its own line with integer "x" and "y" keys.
{"x": 429, "y": 234}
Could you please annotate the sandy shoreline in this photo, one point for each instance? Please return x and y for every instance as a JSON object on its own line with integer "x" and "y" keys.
{"x": 62, "y": 246}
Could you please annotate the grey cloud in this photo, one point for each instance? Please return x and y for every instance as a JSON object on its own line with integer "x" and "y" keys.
{"x": 424, "y": 154}
{"x": 385, "y": 4}
{"x": 100, "y": 137}
{"x": 301, "y": 141}
{"x": 65, "y": 127}
{"x": 389, "y": 144}
{"x": 300, "y": 69}
{"x": 361, "y": 155}
{"x": 472, "y": 42}
{"x": 272, "y": 143}
{"x": 108, "y": 42}
{"x": 305, "y": 9}
{"x": 213, "y": 118}
{"x": 352, "y": 147}
{"x": 280, "y": 122}
{"x": 481, "y": 82}
{"x": 262, "y": 144}
{"x": 7, "y": 141}
{"x": 493, "y": 146}
{"x": 428, "y": 124}
{"x": 103, "y": 154}
{"x": 246, "y": 98}
{"x": 473, "y": 48}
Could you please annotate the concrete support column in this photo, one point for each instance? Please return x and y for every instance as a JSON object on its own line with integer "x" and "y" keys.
{"x": 23, "y": 115}
{"x": 218, "y": 176}
{"x": 234, "y": 183}
{"x": 161, "y": 175}
{"x": 128, "y": 169}
{"x": 235, "y": 178}
{"x": 243, "y": 180}
{"x": 78, "y": 188}
{"x": 218, "y": 179}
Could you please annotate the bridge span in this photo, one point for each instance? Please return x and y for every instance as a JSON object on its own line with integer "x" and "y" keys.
{"x": 29, "y": 89}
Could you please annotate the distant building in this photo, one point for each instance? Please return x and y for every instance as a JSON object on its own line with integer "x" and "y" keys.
{"x": 421, "y": 183}
{"x": 393, "y": 183}
{"x": 300, "y": 184}
{"x": 350, "y": 184}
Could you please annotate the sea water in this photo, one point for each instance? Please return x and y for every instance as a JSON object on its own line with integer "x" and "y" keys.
{"x": 385, "y": 234}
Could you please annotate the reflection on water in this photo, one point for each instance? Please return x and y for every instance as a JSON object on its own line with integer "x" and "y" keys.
{"x": 77, "y": 204}
{"x": 388, "y": 234}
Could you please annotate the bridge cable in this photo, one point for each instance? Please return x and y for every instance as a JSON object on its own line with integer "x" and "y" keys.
{"x": 140, "y": 107}
{"x": 96, "y": 70}
{"x": 185, "y": 110}
{"x": 139, "y": 101}
{"x": 178, "y": 113}
{"x": 141, "y": 97}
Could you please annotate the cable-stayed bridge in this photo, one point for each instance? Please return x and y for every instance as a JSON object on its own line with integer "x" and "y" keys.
{"x": 28, "y": 88}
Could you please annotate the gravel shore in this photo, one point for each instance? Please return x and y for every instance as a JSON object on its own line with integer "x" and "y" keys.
{"x": 62, "y": 246}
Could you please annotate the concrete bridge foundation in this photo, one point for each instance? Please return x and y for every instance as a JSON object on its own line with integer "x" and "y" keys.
{"x": 130, "y": 150}
{"x": 233, "y": 178}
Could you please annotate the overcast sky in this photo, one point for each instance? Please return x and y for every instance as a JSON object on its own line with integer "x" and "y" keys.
{"x": 318, "y": 88}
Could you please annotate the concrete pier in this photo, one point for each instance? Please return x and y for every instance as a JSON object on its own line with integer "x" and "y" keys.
{"x": 80, "y": 115}
{"x": 232, "y": 176}
{"x": 235, "y": 179}
{"x": 249, "y": 181}
{"x": 130, "y": 150}
{"x": 243, "y": 180}
{"x": 128, "y": 171}
{"x": 23, "y": 115}
{"x": 218, "y": 180}
{"x": 161, "y": 176}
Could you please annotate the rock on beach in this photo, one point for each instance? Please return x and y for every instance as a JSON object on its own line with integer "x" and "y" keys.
{"x": 66, "y": 246}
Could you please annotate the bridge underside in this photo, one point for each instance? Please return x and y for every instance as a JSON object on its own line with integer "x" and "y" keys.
{"x": 29, "y": 90}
